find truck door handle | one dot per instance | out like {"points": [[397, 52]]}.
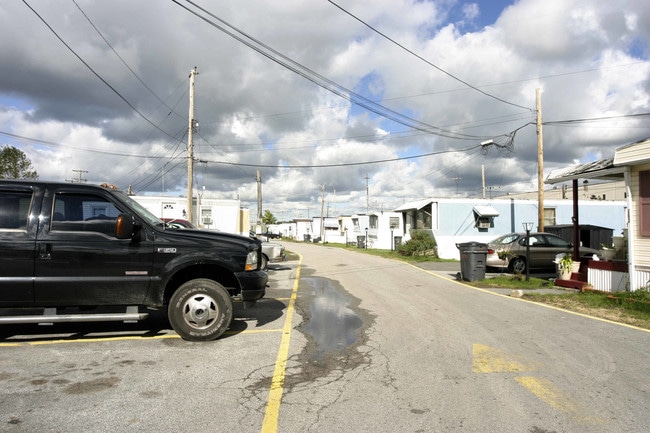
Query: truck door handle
{"points": [[45, 251]]}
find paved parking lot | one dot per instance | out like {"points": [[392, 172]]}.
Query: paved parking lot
{"points": [[142, 376]]}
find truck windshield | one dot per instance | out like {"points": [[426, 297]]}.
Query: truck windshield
{"points": [[142, 211]]}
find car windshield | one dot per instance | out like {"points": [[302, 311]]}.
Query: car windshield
{"points": [[505, 239]]}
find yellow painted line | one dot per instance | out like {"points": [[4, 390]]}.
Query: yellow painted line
{"points": [[125, 338], [253, 331], [490, 360], [550, 394], [552, 307], [86, 340], [546, 391], [272, 412]]}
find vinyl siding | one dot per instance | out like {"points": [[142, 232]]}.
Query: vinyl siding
{"points": [[635, 153], [642, 243]]}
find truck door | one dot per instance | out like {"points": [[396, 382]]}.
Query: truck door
{"points": [[79, 261], [17, 243]]}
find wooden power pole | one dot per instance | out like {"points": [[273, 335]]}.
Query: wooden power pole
{"points": [[540, 163], [322, 210], [258, 179], [190, 149]]}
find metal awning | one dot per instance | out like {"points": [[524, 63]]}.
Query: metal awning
{"points": [[602, 169], [486, 211], [414, 205]]}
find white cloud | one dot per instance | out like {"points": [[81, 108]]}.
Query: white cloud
{"points": [[590, 59]]}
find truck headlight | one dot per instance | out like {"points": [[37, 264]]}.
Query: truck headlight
{"points": [[251, 260]]}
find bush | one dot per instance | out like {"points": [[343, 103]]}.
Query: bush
{"points": [[420, 244]]}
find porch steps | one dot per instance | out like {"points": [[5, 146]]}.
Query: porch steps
{"points": [[574, 283], [578, 279]]}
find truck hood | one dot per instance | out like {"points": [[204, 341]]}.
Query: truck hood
{"points": [[208, 236]]}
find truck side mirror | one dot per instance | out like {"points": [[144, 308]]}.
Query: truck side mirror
{"points": [[124, 226]]}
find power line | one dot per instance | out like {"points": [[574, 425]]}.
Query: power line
{"points": [[426, 61], [346, 164], [124, 61], [320, 80], [595, 119], [93, 71]]}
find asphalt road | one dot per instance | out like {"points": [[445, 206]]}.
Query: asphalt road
{"points": [[435, 355], [344, 342]]}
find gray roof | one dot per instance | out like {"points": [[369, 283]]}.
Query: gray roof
{"points": [[602, 169]]}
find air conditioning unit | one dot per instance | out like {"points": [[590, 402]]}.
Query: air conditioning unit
{"points": [[484, 225]]}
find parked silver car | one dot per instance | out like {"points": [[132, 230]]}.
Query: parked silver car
{"points": [[271, 251], [509, 251]]}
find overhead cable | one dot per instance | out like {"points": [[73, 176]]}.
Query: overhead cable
{"points": [[428, 62], [318, 79], [595, 119], [125, 63], [346, 164], [113, 89]]}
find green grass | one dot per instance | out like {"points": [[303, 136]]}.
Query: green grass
{"points": [[632, 308], [508, 281], [617, 307], [389, 254]]}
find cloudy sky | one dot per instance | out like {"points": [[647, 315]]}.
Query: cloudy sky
{"points": [[377, 102]]}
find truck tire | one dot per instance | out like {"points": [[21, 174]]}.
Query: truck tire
{"points": [[265, 262], [200, 310]]}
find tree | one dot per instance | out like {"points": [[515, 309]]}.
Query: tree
{"points": [[14, 164], [268, 218]]}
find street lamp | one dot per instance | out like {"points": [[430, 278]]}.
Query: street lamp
{"points": [[528, 227]]}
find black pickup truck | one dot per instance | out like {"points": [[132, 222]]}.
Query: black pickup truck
{"points": [[72, 251]]}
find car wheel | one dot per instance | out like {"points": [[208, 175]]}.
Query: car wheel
{"points": [[200, 310], [517, 265], [265, 262]]}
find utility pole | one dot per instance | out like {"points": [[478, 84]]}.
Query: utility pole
{"points": [[322, 211], [367, 196], [259, 198], [540, 162], [80, 179], [483, 179], [190, 148], [457, 179]]}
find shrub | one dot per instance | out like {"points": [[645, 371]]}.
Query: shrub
{"points": [[420, 244]]}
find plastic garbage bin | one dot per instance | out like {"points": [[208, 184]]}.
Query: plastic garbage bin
{"points": [[472, 260], [361, 241]]}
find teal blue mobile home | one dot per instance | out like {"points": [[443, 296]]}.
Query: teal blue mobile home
{"points": [[454, 221]]}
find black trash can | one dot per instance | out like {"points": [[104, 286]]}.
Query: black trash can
{"points": [[307, 238], [361, 241], [472, 260]]}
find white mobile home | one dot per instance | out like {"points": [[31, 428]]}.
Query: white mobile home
{"points": [[631, 164], [453, 221], [220, 214]]}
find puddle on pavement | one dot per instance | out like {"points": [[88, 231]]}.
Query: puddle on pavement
{"points": [[332, 322]]}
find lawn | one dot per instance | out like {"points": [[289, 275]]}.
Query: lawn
{"points": [[632, 308]]}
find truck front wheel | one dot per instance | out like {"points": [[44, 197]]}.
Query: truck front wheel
{"points": [[200, 310]]}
